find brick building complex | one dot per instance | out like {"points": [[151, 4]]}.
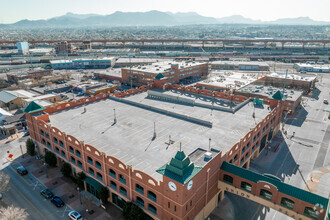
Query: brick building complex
{"points": [[174, 72], [165, 159]]}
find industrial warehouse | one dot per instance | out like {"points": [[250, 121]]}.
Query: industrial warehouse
{"points": [[171, 149]]}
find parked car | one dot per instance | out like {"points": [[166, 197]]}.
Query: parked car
{"points": [[26, 134], [325, 101], [46, 193], [57, 201], [22, 170], [74, 215]]}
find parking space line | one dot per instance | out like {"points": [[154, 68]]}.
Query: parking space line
{"points": [[16, 189]]}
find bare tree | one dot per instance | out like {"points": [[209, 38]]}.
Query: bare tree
{"points": [[13, 213], [4, 182]]}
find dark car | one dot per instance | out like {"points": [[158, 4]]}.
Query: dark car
{"points": [[26, 134], [46, 193], [57, 201], [21, 170]]}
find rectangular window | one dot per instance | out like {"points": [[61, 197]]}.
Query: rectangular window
{"points": [[47, 135], [61, 144], [91, 171], [71, 150], [242, 161], [42, 132], [57, 151], [73, 160], [247, 146], [63, 154], [235, 158], [78, 154], [243, 150]]}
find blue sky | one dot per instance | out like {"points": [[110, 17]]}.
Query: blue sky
{"points": [[15, 10]]}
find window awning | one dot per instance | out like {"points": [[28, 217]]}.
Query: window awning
{"points": [[93, 183]]}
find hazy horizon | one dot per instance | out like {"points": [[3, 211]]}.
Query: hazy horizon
{"points": [[15, 10]]}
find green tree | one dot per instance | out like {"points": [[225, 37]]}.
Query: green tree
{"points": [[133, 212], [66, 169], [30, 148], [50, 159], [104, 194], [80, 180]]}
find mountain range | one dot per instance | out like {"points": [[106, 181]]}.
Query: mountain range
{"points": [[152, 18]]}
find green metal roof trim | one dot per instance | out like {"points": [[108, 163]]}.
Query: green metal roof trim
{"points": [[180, 168], [159, 76], [295, 192], [94, 183], [33, 107], [278, 96]]}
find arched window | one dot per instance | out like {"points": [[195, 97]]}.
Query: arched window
{"points": [[61, 144], [73, 160], [98, 165], [99, 176], [310, 212], [113, 185], [228, 179], [112, 173], [90, 160], [123, 191], [152, 196], [139, 189], [42, 133], [71, 150], [288, 203], [246, 186], [91, 171], [266, 194], [55, 140], [122, 179], [140, 201], [78, 153], [152, 209]]}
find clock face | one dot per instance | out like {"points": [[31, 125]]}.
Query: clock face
{"points": [[172, 186], [190, 184]]}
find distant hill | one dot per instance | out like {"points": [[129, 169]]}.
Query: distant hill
{"points": [[151, 18]]}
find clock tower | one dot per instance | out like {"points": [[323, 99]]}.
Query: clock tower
{"points": [[178, 186]]}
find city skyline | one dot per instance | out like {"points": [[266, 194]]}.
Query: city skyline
{"points": [[14, 11]]}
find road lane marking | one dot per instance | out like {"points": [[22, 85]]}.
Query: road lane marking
{"points": [[16, 189], [29, 184]]}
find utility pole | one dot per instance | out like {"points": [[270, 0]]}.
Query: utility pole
{"points": [[130, 70], [154, 130], [21, 150], [286, 74], [115, 118]]}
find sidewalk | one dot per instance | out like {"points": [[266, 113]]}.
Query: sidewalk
{"points": [[52, 178]]}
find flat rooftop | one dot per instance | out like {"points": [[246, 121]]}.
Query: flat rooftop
{"points": [[130, 139], [246, 63], [269, 91], [300, 77], [230, 79], [165, 66]]}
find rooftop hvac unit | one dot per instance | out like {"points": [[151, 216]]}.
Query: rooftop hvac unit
{"points": [[208, 156]]}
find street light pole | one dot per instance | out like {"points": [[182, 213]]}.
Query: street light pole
{"points": [[21, 150], [79, 194]]}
